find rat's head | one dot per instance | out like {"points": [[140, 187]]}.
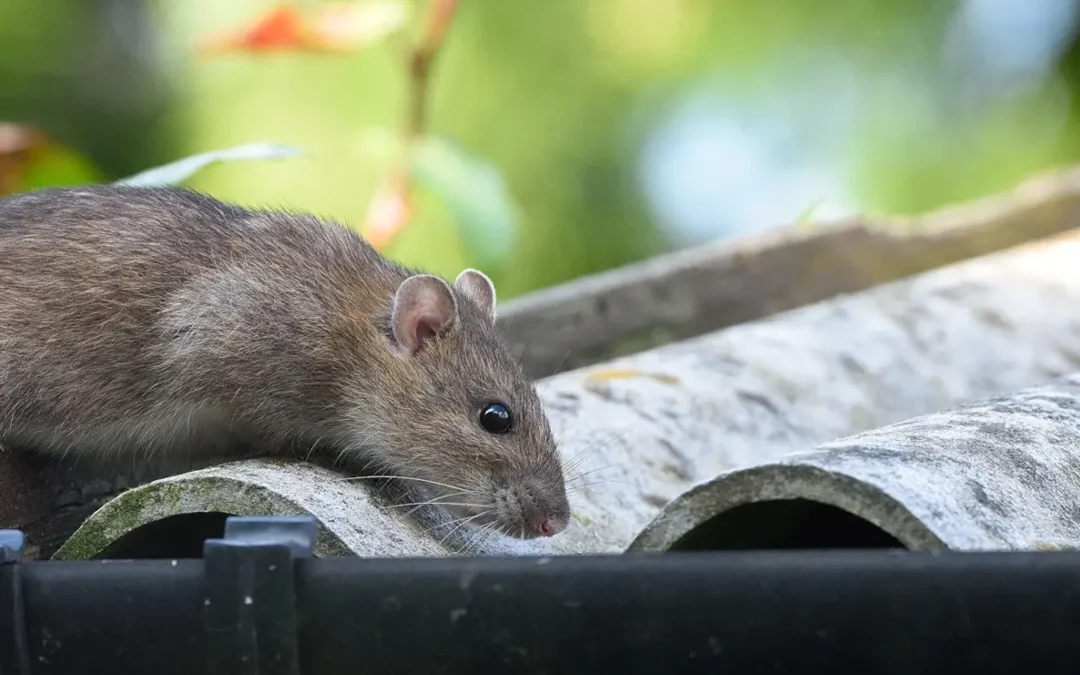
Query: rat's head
{"points": [[460, 416]]}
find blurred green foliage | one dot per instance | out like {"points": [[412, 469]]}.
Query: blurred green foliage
{"points": [[563, 98]]}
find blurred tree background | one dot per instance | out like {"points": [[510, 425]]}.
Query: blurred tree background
{"points": [[621, 128]]}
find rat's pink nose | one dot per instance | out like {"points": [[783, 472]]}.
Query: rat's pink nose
{"points": [[548, 527]]}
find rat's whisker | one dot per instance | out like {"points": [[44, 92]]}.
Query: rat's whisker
{"points": [[356, 448], [461, 522], [578, 482], [472, 542], [590, 451], [583, 474], [525, 349], [432, 502], [436, 502], [577, 487], [454, 521], [484, 534], [448, 495], [418, 480], [431, 530], [311, 450], [562, 361]]}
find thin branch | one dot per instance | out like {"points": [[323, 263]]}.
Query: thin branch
{"points": [[392, 206], [437, 23]]}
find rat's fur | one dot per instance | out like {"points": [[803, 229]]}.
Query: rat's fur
{"points": [[162, 320]]}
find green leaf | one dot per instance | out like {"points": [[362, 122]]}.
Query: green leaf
{"points": [[474, 193], [177, 172]]}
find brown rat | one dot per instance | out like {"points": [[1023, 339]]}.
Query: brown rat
{"points": [[161, 320]]}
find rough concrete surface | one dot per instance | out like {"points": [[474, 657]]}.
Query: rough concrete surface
{"points": [[997, 474]]}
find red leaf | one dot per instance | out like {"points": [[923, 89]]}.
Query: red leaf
{"points": [[280, 28], [338, 27]]}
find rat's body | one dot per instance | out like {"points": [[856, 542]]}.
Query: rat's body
{"points": [[161, 320]]}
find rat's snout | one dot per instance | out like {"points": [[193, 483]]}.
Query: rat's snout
{"points": [[533, 509]]}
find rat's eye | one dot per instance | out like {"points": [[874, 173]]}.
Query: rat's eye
{"points": [[495, 417]]}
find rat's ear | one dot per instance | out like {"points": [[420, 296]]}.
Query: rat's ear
{"points": [[424, 307], [478, 287]]}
